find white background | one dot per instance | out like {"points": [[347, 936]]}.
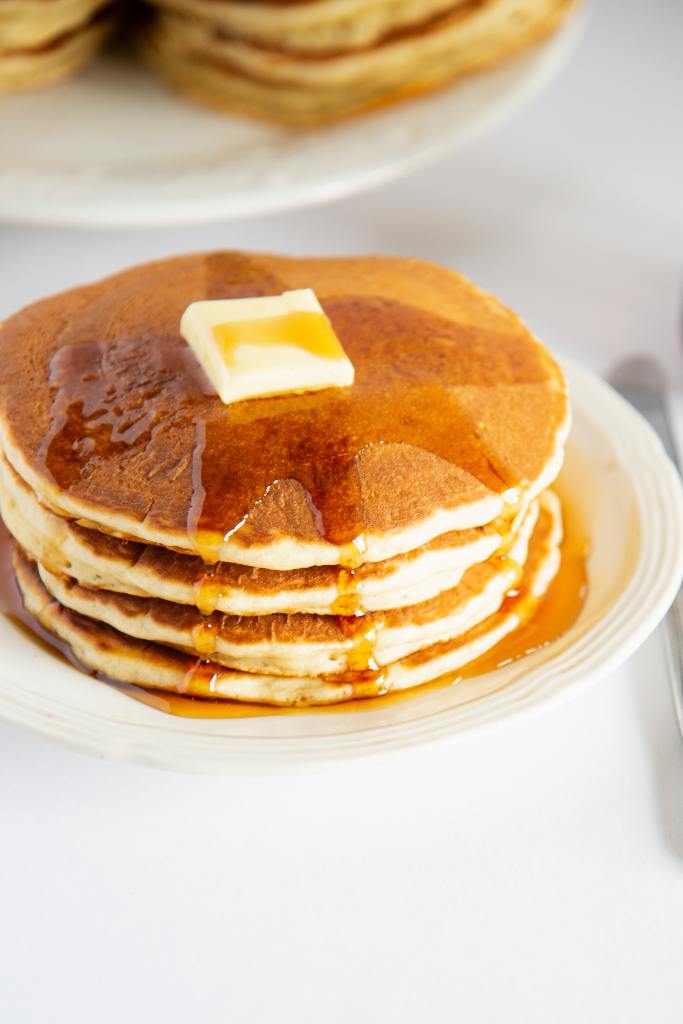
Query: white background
{"points": [[531, 875]]}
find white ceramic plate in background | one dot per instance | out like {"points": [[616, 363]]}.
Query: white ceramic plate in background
{"points": [[114, 147], [631, 502]]}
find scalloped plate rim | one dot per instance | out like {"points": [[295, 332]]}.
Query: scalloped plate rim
{"points": [[552, 676]]}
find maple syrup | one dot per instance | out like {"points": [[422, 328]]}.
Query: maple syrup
{"points": [[208, 591], [133, 426], [547, 619], [204, 638], [550, 617], [304, 330], [123, 414], [349, 597], [315, 440], [349, 586], [363, 635]]}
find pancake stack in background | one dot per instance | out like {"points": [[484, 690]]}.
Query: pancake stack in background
{"points": [[297, 62], [43, 41], [312, 61], [292, 550]]}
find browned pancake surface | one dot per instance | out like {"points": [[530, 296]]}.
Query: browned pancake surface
{"points": [[190, 570], [453, 399], [294, 628]]}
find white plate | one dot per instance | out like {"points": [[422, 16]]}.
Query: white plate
{"points": [[632, 506], [114, 147]]}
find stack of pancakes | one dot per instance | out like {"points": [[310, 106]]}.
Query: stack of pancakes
{"points": [[292, 550], [309, 61], [42, 41]]}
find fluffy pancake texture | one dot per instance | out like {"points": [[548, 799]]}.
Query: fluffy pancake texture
{"points": [[130, 660], [98, 560], [318, 644], [453, 397], [43, 42], [306, 63], [314, 26], [294, 550]]}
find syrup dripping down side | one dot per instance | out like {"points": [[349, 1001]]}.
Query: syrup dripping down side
{"points": [[123, 414]]}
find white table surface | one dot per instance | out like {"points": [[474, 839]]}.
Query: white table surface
{"points": [[534, 874]]}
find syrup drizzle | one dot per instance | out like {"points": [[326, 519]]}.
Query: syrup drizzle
{"points": [[208, 591], [204, 638], [348, 606], [123, 413], [546, 621], [303, 330], [349, 585], [200, 678]]}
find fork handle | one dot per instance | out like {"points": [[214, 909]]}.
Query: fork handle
{"points": [[673, 634]]}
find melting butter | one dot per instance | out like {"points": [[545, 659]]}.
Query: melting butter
{"points": [[274, 344]]}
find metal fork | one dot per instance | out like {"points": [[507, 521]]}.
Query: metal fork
{"points": [[641, 382]]}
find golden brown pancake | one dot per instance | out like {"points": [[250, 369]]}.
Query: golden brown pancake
{"points": [[129, 660], [105, 413], [30, 24], [314, 26], [315, 644], [268, 78], [41, 43], [101, 561], [297, 549]]}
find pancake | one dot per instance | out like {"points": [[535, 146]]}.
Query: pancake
{"points": [[36, 52], [238, 75], [297, 549], [100, 561], [106, 416], [128, 660], [314, 26], [315, 644], [29, 24]]}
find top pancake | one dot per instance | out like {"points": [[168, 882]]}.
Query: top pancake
{"points": [[455, 410]]}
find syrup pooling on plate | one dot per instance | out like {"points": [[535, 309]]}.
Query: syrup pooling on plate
{"points": [[547, 619], [550, 617], [456, 415], [544, 621], [148, 403]]}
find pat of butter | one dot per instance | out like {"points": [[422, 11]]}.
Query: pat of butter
{"points": [[271, 345]]}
